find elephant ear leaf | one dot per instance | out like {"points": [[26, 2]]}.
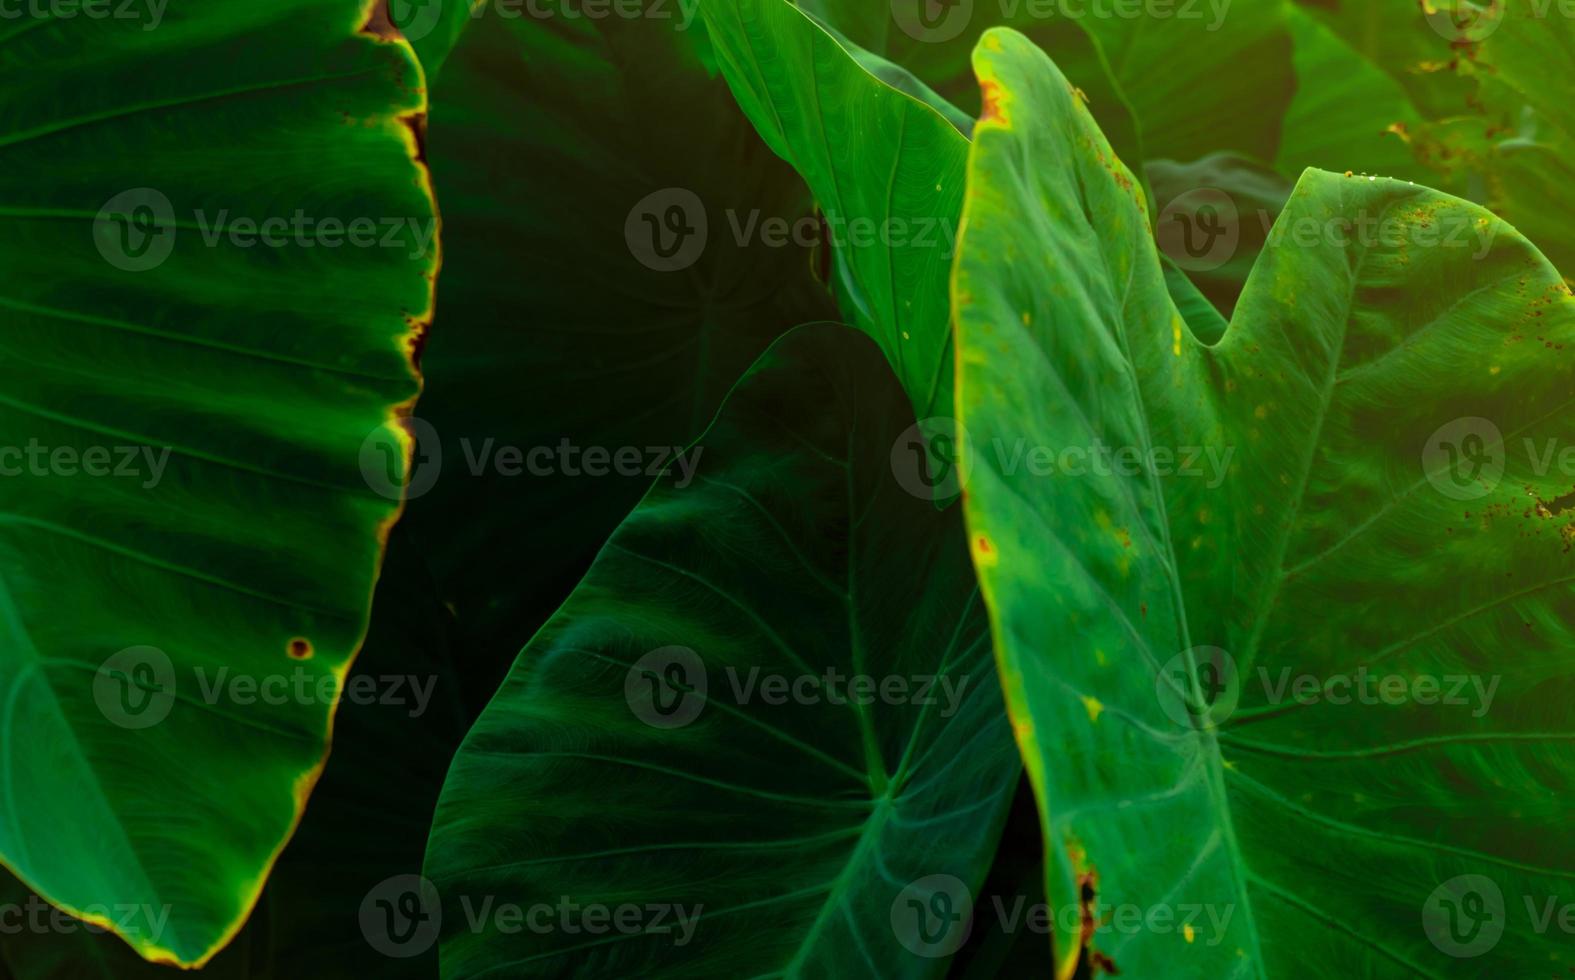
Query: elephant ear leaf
{"points": [[885, 168], [1319, 592], [199, 404], [769, 710]]}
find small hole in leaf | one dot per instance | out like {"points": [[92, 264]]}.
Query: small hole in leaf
{"points": [[300, 648]]}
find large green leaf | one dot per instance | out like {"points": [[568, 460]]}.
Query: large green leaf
{"points": [[361, 839], [684, 732], [218, 253], [1528, 70], [1479, 93], [1201, 77], [1381, 504], [1348, 113], [939, 54], [556, 144], [885, 168], [1416, 44]]}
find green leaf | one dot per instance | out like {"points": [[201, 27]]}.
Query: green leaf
{"points": [[1481, 106], [897, 77], [1528, 69], [1348, 113], [1202, 317], [1422, 51], [556, 145], [938, 53], [244, 378], [645, 752], [885, 168], [1203, 77], [1146, 617], [367, 825]]}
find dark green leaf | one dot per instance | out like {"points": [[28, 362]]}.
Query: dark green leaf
{"points": [[684, 732], [192, 371]]}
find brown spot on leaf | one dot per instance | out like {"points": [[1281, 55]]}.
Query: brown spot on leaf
{"points": [[990, 92], [380, 24]]}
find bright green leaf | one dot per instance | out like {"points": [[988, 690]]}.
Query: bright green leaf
{"points": [[885, 168], [1316, 686], [359, 840], [198, 404]]}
